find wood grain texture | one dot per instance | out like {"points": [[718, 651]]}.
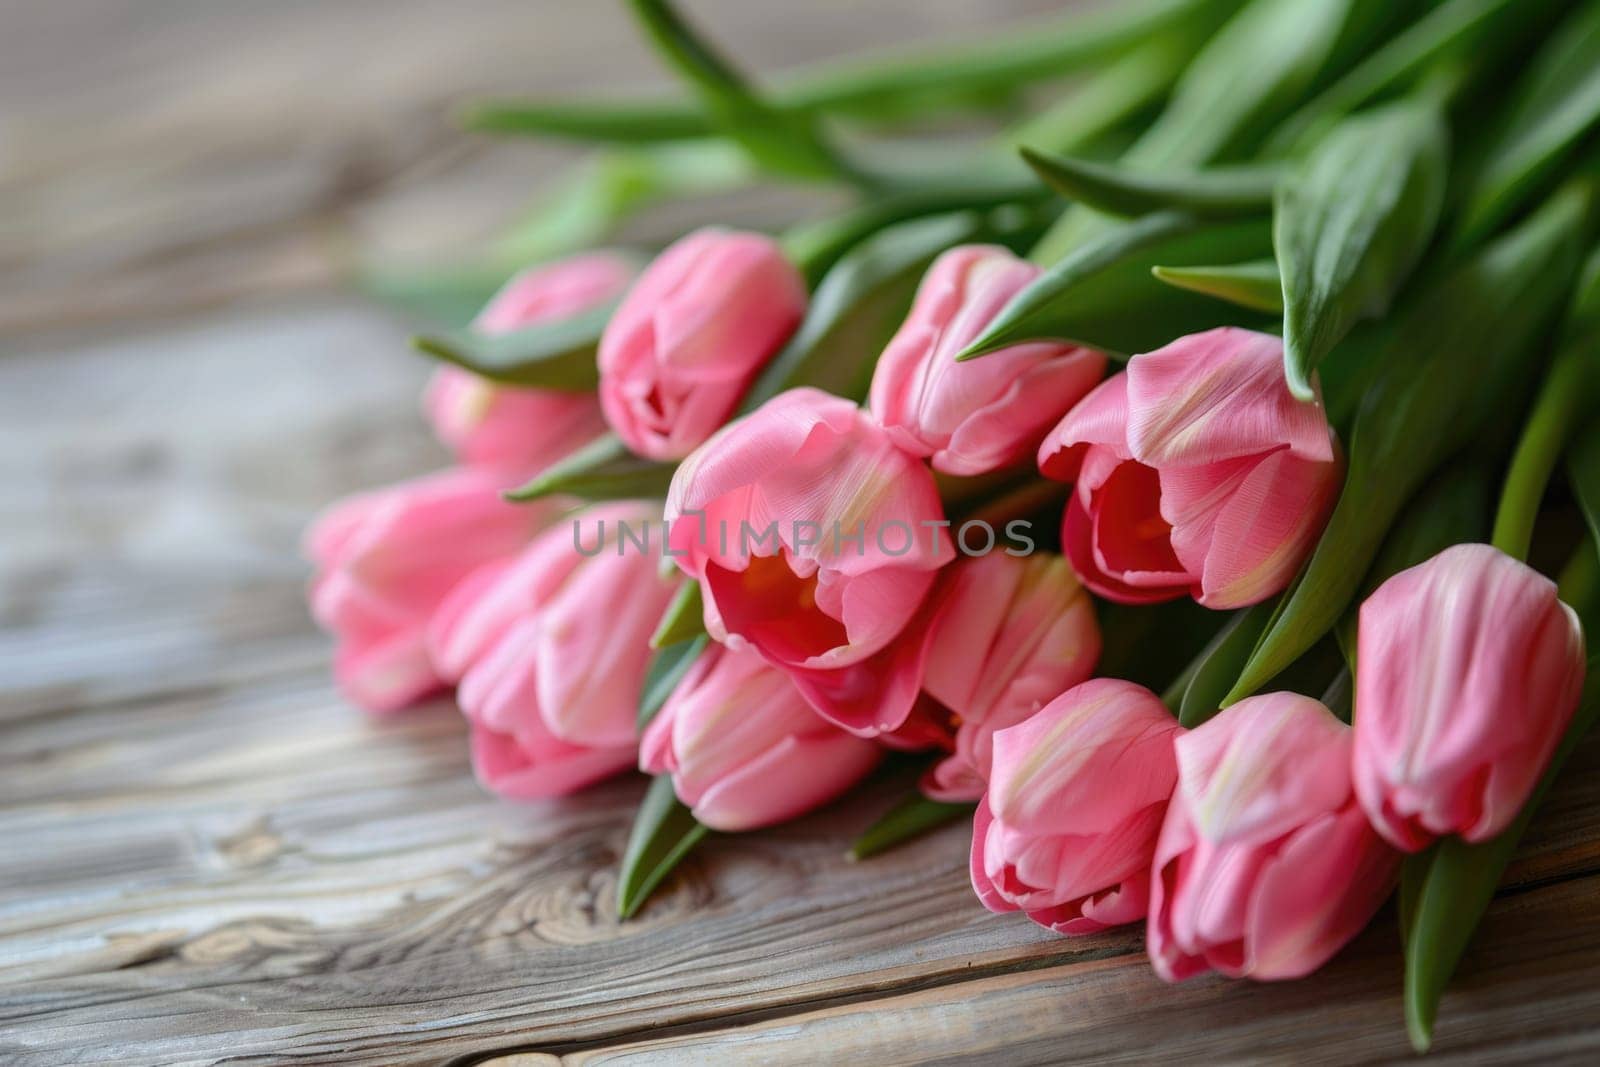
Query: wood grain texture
{"points": [[1525, 996], [206, 857]]}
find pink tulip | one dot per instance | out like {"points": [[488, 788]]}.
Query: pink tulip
{"points": [[690, 336], [975, 417], [552, 651], [387, 559], [1266, 866], [744, 748], [1068, 827], [525, 430], [1010, 634], [815, 541], [1197, 472], [1470, 670]]}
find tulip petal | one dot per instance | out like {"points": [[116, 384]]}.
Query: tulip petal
{"points": [[1218, 395], [1101, 418]]}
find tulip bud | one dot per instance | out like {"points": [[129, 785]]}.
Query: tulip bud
{"points": [[1010, 634], [387, 559], [691, 334], [975, 417], [553, 649], [814, 540], [745, 749], [1470, 670], [1076, 795], [525, 430], [1197, 472], [1266, 866]]}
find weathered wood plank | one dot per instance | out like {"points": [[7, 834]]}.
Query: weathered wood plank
{"points": [[1525, 994], [208, 855]]}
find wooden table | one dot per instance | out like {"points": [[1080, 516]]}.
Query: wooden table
{"points": [[206, 857]]}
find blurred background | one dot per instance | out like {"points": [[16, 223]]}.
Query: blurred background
{"points": [[197, 199], [159, 156]]}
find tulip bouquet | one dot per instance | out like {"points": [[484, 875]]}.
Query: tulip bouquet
{"points": [[1173, 475]]}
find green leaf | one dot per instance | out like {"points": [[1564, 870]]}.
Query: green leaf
{"points": [[1351, 222], [1579, 582], [446, 295], [1103, 295], [1248, 75], [1254, 285], [785, 142], [1455, 28], [858, 306], [902, 82], [1091, 109], [1031, 51], [664, 831], [593, 198], [1557, 104], [1224, 192], [552, 355], [912, 817], [684, 618], [816, 247], [619, 122], [603, 469], [1459, 883], [1239, 83], [1451, 510], [1567, 395], [1219, 664], [1583, 471], [1455, 357], [667, 668]]}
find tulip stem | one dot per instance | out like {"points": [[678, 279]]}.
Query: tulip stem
{"points": [[1555, 414]]}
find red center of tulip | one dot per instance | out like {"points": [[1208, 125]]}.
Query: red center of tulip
{"points": [[1132, 535], [775, 609]]}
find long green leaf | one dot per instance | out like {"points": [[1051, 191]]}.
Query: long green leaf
{"points": [[588, 203], [882, 85], [1097, 106], [1254, 285], [1453, 509], [1567, 395], [611, 122], [603, 469], [1583, 472], [859, 304], [667, 668], [664, 831], [1250, 74], [553, 355], [912, 817], [1351, 222], [1220, 663], [1456, 356], [684, 618], [1240, 82], [1103, 295], [785, 142], [1224, 192], [1452, 29], [816, 247], [1448, 900], [1558, 104]]}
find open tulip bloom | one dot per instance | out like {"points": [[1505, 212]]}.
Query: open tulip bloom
{"points": [[751, 516]]}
